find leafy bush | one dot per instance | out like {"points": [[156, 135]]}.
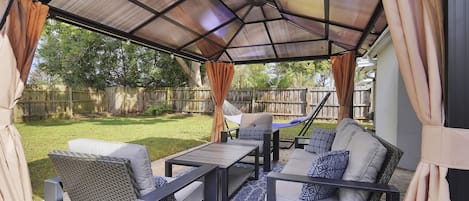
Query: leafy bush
{"points": [[156, 110]]}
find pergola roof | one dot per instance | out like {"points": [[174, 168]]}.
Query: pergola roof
{"points": [[240, 31]]}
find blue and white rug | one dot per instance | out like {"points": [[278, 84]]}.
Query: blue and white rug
{"points": [[255, 190]]}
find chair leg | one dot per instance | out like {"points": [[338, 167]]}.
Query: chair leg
{"points": [[266, 153]]}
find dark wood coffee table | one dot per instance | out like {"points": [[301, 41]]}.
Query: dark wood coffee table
{"points": [[224, 156]]}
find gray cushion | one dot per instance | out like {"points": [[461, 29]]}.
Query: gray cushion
{"points": [[137, 154], [253, 133], [344, 134], [256, 120], [366, 157], [329, 165], [321, 141]]}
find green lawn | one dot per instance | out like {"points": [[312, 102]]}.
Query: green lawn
{"points": [[163, 136]]}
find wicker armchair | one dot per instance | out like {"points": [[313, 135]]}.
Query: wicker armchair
{"points": [[93, 177], [256, 129]]}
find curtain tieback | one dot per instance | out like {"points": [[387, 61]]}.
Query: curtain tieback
{"points": [[6, 117], [447, 147]]}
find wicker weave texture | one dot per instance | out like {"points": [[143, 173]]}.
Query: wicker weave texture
{"points": [[89, 177], [393, 155]]}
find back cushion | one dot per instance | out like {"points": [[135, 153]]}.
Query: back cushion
{"points": [[345, 131], [256, 120], [366, 157], [137, 154]]}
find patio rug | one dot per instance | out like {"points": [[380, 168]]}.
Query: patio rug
{"points": [[252, 190], [255, 189]]}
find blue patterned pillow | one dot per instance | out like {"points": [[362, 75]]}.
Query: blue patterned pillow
{"points": [[160, 182], [329, 165], [320, 141]]}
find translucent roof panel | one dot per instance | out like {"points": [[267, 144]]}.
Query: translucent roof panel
{"points": [[235, 4], [200, 15], [337, 49], [113, 13], [302, 49], [380, 24], [255, 15], [159, 5], [314, 27], [239, 31], [271, 12], [345, 36], [224, 34], [252, 53], [251, 34], [204, 47], [310, 8], [172, 35], [355, 13], [224, 57], [283, 31]]}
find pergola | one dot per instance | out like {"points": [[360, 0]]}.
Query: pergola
{"points": [[249, 31], [239, 31]]}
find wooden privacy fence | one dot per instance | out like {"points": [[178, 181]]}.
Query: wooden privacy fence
{"points": [[58, 102], [283, 103]]}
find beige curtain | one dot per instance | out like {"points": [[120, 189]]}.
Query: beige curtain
{"points": [[18, 40], [417, 32], [343, 69], [220, 76]]}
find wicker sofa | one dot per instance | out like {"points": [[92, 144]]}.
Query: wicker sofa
{"points": [[370, 156], [102, 170]]}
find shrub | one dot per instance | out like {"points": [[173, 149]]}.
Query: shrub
{"points": [[155, 110]]}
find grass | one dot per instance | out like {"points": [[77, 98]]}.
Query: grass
{"points": [[163, 136]]}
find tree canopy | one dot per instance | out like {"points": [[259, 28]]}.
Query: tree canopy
{"points": [[80, 57]]}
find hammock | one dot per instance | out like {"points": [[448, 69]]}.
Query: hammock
{"points": [[233, 114]]}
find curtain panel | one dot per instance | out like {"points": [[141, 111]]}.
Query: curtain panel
{"points": [[417, 31], [18, 40], [220, 76], [343, 69]]}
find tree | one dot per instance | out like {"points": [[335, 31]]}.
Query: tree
{"points": [[253, 75], [84, 58]]}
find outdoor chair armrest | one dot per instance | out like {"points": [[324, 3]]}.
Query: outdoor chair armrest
{"points": [[225, 133], [392, 193], [299, 144], [53, 189], [209, 172]]}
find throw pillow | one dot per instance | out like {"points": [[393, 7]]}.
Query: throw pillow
{"points": [[253, 133], [321, 141], [329, 165], [160, 182]]}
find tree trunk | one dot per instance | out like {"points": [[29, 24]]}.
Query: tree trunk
{"points": [[192, 72]]}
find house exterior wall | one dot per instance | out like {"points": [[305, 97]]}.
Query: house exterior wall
{"points": [[395, 120]]}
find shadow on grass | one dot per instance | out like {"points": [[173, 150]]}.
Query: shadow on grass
{"points": [[101, 121], [181, 116], [157, 147], [127, 121]]}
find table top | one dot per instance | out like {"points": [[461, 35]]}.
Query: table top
{"points": [[221, 154]]}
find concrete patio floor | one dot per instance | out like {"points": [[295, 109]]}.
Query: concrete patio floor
{"points": [[401, 177]]}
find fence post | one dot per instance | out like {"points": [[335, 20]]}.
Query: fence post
{"points": [[253, 100], [307, 101], [168, 97], [70, 102]]}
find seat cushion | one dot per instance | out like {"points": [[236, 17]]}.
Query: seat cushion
{"points": [[302, 154], [137, 154], [320, 141], [192, 192], [366, 157], [329, 165]]}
